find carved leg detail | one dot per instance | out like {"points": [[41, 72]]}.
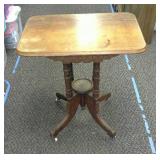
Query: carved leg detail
{"points": [[71, 71], [96, 80], [72, 108], [68, 80], [91, 104]]}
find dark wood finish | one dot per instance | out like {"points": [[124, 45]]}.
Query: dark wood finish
{"points": [[71, 110], [71, 70], [96, 80], [68, 80], [91, 104], [83, 100]]}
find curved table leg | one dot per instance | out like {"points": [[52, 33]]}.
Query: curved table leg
{"points": [[103, 97], [91, 104], [71, 110]]}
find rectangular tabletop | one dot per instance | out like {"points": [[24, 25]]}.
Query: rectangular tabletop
{"points": [[81, 34]]}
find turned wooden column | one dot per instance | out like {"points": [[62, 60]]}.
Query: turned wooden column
{"points": [[71, 70], [96, 80], [68, 76]]}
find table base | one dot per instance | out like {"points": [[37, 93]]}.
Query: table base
{"points": [[91, 102]]}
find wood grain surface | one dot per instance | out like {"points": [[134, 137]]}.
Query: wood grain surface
{"points": [[64, 35]]}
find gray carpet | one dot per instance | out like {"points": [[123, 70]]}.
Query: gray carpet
{"points": [[31, 112]]}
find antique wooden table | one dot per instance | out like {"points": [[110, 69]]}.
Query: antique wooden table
{"points": [[75, 38]]}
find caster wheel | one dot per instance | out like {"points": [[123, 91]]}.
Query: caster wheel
{"points": [[114, 137], [52, 136], [55, 139], [57, 99]]}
